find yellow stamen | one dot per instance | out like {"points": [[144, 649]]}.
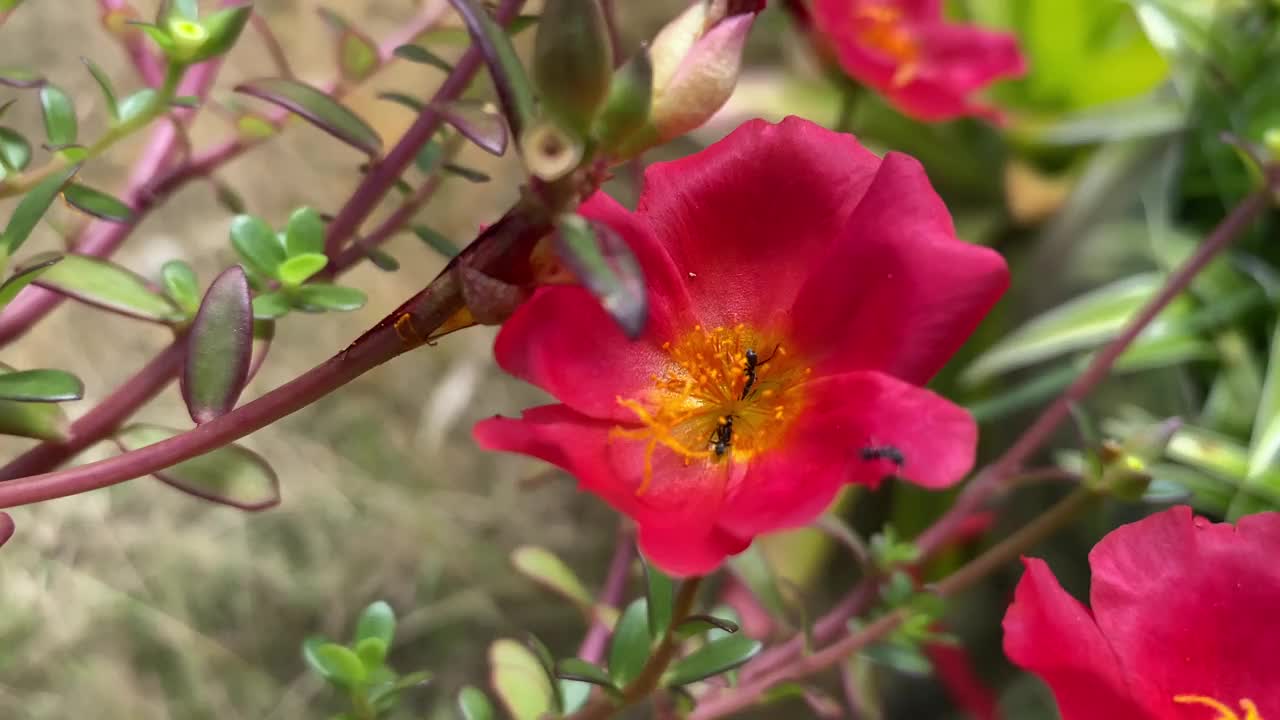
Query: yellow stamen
{"points": [[1224, 711], [881, 27]]}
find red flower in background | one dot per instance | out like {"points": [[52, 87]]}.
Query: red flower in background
{"points": [[904, 49], [1183, 623], [801, 289]]}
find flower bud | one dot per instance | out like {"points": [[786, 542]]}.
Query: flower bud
{"points": [[549, 151], [188, 37], [188, 41], [627, 108], [573, 61]]}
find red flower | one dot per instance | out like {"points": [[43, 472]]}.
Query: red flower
{"points": [[926, 67], [800, 290], [1183, 625]]}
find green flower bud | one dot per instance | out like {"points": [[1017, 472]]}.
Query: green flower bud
{"points": [[573, 61]]}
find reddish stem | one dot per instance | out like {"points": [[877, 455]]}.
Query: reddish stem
{"points": [[615, 585], [396, 221], [149, 66]]}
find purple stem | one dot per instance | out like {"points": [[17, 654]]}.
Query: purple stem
{"points": [[359, 250], [149, 66], [615, 585]]}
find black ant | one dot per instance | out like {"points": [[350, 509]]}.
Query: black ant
{"points": [[754, 362], [723, 436], [884, 452]]}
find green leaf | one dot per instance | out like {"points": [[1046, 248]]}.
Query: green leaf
{"points": [[25, 274], [96, 203], [305, 232], [15, 150], [40, 386], [231, 475], [511, 83], [31, 208], [39, 420], [335, 663], [712, 659], [318, 108], [907, 659], [104, 84], [377, 621], [219, 348], [603, 262], [581, 670], [574, 696], [422, 56], [300, 268], [699, 624], [520, 681], [629, 647], [224, 28], [545, 568], [20, 78], [572, 61], [257, 245], [1264, 445], [136, 105], [466, 173], [60, 124], [429, 157], [1159, 113], [660, 595], [436, 241], [182, 285], [476, 124], [321, 297], [357, 56], [1088, 320], [410, 103], [272, 305], [372, 652], [98, 282], [474, 704]]}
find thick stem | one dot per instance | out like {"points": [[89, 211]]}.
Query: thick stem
{"points": [[615, 585], [149, 66]]}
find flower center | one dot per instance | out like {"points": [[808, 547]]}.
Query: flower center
{"points": [[881, 28], [1224, 712], [725, 395]]}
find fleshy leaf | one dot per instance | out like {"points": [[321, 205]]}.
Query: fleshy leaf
{"points": [[377, 621], [519, 681], [104, 84], [603, 262], [60, 123], [325, 297], [25, 274], [712, 659], [514, 90], [481, 127], [257, 245], [40, 420], [436, 241], [299, 268], [133, 106], [372, 652], [422, 56], [272, 305], [108, 286], [466, 173], [96, 203], [31, 208], [40, 386], [15, 150], [337, 664], [474, 704], [357, 56], [219, 348], [579, 669], [231, 475], [317, 108], [660, 595], [429, 157], [545, 568], [182, 285], [305, 232], [224, 28], [6, 528], [698, 624], [410, 103], [629, 647], [20, 78]]}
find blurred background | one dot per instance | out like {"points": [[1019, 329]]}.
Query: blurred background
{"points": [[141, 602]]}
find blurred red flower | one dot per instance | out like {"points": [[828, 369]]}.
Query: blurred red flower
{"points": [[904, 49], [1183, 623], [800, 289]]}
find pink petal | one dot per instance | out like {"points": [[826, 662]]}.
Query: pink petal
{"points": [[898, 292]]}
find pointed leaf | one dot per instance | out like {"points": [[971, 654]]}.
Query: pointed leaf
{"points": [[186, 102], [660, 593], [299, 268], [357, 56], [698, 624], [108, 286], [372, 652], [317, 108], [411, 103], [629, 647], [603, 262], [519, 680], [137, 104], [305, 232], [20, 78], [422, 56], [6, 528], [15, 150], [712, 659], [219, 348], [60, 124], [337, 664], [429, 157], [574, 696], [545, 568], [257, 245], [224, 28], [515, 92], [31, 208], [272, 305], [324, 297], [96, 203], [25, 274], [182, 285], [231, 475], [377, 621], [40, 386], [481, 127], [475, 705], [42, 421], [579, 669], [436, 241], [104, 84], [466, 173]]}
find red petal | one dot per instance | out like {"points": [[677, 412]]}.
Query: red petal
{"points": [[1049, 633], [1192, 604], [746, 219], [959, 60], [791, 485], [683, 552], [899, 292]]}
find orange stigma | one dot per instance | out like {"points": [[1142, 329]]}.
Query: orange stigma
{"points": [[881, 27], [1224, 711], [725, 395]]}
